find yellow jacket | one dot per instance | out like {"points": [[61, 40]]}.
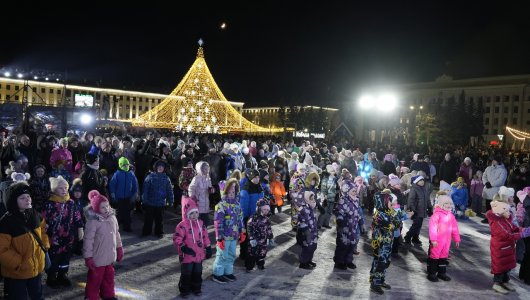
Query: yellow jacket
{"points": [[20, 254]]}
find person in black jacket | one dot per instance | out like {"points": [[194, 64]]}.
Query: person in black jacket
{"points": [[448, 169], [91, 177]]}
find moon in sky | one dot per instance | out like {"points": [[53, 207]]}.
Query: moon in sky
{"points": [[223, 25]]}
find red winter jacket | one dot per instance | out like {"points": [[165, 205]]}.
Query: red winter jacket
{"points": [[502, 245]]}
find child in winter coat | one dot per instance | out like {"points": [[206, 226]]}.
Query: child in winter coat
{"points": [[278, 193], [251, 192], [193, 246], [476, 193], [200, 189], [296, 185], [442, 226], [157, 193], [64, 226], [328, 188], [40, 187], [102, 247], [460, 197], [307, 232], [347, 214], [502, 244], [229, 229], [260, 236], [123, 190], [385, 221], [401, 215], [76, 194]]}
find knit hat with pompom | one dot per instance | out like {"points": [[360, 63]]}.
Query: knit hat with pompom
{"points": [[96, 199]]}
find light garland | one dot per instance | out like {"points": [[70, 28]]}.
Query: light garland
{"points": [[197, 104], [517, 134]]}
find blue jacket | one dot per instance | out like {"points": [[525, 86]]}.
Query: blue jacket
{"points": [[123, 185], [157, 190], [459, 196], [248, 202]]}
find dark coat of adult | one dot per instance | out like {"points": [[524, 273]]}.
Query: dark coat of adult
{"points": [[92, 180], [388, 168], [422, 166], [349, 164], [419, 201], [78, 154], [448, 171], [30, 152], [519, 180]]}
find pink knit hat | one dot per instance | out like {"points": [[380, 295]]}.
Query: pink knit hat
{"points": [[96, 199]]}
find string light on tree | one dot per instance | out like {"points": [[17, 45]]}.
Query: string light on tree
{"points": [[197, 104]]}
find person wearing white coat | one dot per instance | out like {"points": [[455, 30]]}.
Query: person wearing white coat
{"points": [[200, 189], [493, 178]]}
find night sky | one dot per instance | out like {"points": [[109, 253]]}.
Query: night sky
{"points": [[271, 52]]}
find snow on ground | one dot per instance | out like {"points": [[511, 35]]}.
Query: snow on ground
{"points": [[150, 270]]}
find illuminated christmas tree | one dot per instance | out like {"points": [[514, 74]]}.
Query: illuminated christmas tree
{"points": [[197, 104]]}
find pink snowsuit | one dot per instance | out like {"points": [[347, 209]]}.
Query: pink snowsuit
{"points": [[442, 225], [192, 234]]}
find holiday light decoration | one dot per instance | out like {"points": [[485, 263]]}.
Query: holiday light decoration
{"points": [[517, 134], [197, 104]]}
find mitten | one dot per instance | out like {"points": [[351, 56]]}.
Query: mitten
{"points": [[488, 185], [89, 262], [119, 254], [253, 243], [208, 252], [272, 243], [221, 244], [187, 250], [525, 232], [242, 237]]}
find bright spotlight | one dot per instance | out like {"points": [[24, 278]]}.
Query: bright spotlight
{"points": [[7, 74], [86, 119], [46, 78], [366, 101], [35, 77], [20, 75], [387, 102]]}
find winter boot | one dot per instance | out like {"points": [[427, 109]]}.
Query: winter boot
{"points": [[499, 289], [508, 286], [442, 269], [313, 264], [432, 269], [351, 266], [306, 266], [51, 281], [416, 240], [376, 289], [63, 280], [341, 266]]}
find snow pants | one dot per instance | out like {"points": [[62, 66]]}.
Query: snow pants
{"points": [[100, 282], [224, 259], [190, 278], [380, 264]]}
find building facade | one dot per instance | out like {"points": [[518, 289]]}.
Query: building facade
{"points": [[505, 101], [270, 117], [112, 104]]}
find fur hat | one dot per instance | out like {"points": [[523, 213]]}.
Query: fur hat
{"points": [[345, 173], [13, 192], [77, 186], [262, 174], [96, 199], [393, 180], [310, 177], [443, 199], [20, 176], [417, 179], [245, 150], [228, 183], [506, 192], [330, 169], [264, 164], [55, 182]]}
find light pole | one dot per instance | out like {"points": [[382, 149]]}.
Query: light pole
{"points": [[413, 121], [384, 104]]}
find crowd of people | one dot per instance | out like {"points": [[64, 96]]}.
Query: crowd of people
{"points": [[68, 196]]}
